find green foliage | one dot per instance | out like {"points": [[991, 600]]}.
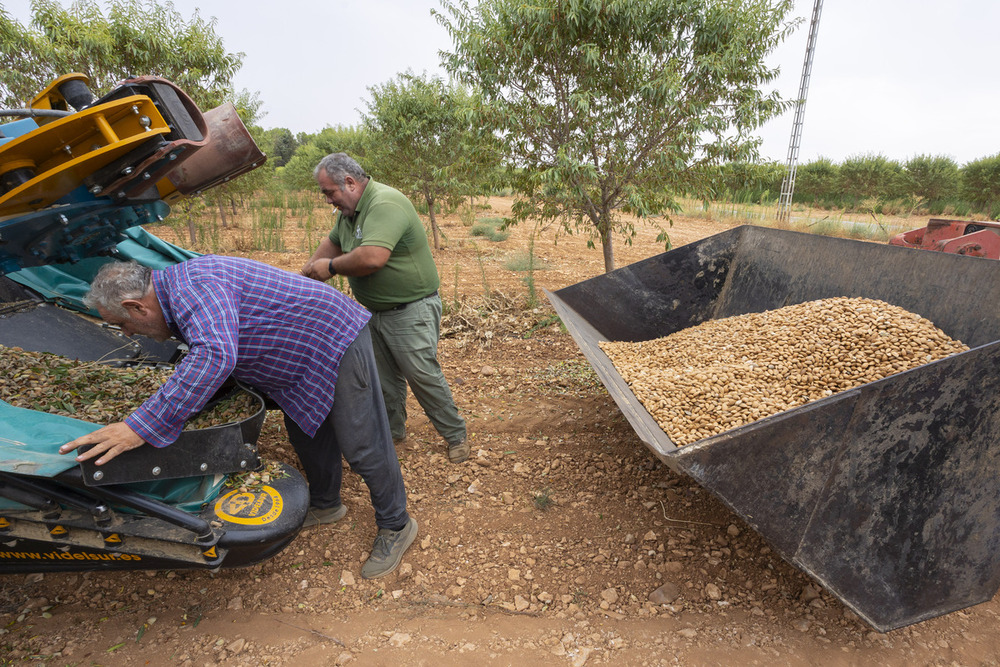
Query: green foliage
{"points": [[816, 180], [135, 37], [880, 186], [981, 183], [481, 262], [22, 74], [543, 499], [747, 182], [453, 305], [488, 230], [268, 230], [932, 177], [872, 176], [423, 140], [611, 107], [467, 214], [526, 261], [279, 144], [297, 174]]}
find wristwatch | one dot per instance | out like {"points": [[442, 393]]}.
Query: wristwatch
{"points": [[333, 271]]}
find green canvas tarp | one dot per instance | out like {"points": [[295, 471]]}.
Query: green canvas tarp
{"points": [[67, 284]]}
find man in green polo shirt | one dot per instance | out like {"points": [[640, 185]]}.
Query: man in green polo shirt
{"points": [[378, 242]]}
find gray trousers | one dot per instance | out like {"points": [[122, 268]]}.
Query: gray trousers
{"points": [[405, 342], [358, 430]]}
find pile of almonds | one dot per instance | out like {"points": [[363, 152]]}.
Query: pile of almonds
{"points": [[725, 373], [95, 392]]}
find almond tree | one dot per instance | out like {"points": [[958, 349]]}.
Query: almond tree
{"points": [[297, 174], [981, 184], [613, 106], [136, 37], [422, 140]]}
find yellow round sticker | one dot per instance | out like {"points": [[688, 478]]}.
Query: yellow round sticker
{"points": [[251, 508]]}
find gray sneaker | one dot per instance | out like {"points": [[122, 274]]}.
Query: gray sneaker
{"points": [[388, 550], [459, 451], [316, 516]]}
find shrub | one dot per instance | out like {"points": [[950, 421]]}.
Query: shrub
{"points": [[488, 231], [747, 182], [981, 183], [817, 181], [525, 261], [932, 177], [867, 176]]}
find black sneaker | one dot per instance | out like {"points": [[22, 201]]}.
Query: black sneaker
{"points": [[388, 550]]}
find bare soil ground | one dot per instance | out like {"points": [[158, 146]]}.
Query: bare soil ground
{"points": [[543, 548]]}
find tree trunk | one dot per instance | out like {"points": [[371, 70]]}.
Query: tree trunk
{"points": [[191, 228], [232, 204], [607, 245], [222, 211], [434, 224]]}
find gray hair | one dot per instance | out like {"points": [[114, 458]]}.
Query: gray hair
{"points": [[338, 166], [116, 282]]}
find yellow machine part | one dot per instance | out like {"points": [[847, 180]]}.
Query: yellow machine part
{"points": [[52, 97], [62, 153]]}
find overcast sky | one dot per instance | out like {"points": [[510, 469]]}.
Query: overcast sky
{"points": [[893, 77]]}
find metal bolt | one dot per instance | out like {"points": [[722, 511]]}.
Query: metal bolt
{"points": [[63, 219], [98, 475], [68, 149], [145, 122], [156, 470], [145, 176], [96, 190], [243, 464], [173, 156], [203, 467], [127, 171], [135, 109]]}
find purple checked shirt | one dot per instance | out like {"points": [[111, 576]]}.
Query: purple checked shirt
{"points": [[280, 332]]}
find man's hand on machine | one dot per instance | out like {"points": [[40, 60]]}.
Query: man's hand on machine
{"points": [[109, 441]]}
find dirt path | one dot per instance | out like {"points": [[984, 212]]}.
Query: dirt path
{"points": [[543, 548]]}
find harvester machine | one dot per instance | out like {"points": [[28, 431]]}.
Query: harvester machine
{"points": [[961, 237], [886, 494], [79, 177]]}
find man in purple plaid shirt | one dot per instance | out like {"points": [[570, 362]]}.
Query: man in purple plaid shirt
{"points": [[299, 341]]}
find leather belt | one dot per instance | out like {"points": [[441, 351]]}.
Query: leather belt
{"points": [[404, 305]]}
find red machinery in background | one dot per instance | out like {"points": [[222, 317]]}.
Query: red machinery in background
{"points": [[961, 237]]}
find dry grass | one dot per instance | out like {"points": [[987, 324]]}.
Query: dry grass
{"points": [[472, 267]]}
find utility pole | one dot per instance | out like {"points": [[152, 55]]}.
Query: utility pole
{"points": [[788, 184]]}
